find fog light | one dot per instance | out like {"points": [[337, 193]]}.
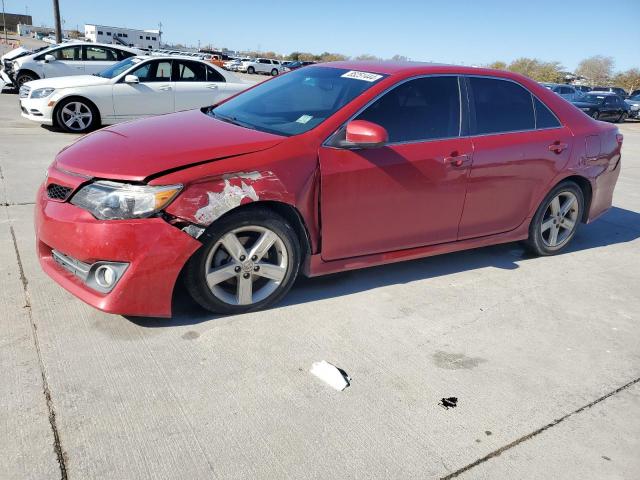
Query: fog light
{"points": [[105, 276]]}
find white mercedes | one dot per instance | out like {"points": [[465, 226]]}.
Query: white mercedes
{"points": [[133, 88]]}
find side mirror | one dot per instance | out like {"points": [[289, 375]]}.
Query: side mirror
{"points": [[49, 58], [131, 79], [364, 134]]}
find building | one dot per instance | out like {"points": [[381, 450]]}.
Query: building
{"points": [[13, 20], [146, 39]]}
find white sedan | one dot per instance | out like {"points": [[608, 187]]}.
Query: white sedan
{"points": [[134, 88]]}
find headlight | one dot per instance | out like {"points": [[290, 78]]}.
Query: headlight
{"points": [[42, 92], [116, 201]]}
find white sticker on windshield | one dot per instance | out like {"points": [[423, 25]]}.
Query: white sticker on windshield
{"points": [[304, 119], [366, 76]]}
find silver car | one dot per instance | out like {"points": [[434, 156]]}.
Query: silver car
{"points": [[634, 106], [568, 92]]}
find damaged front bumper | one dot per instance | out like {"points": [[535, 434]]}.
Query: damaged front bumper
{"points": [[5, 80], [147, 256]]}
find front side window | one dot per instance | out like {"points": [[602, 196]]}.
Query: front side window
{"points": [[421, 109], [500, 106], [295, 103], [158, 71], [68, 53]]}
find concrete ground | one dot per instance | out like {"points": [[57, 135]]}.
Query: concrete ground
{"points": [[542, 354]]}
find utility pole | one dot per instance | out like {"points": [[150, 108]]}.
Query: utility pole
{"points": [[56, 16], [4, 23]]}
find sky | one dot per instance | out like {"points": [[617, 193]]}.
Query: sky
{"points": [[469, 32]]}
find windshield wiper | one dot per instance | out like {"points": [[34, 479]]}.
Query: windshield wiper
{"points": [[232, 120]]}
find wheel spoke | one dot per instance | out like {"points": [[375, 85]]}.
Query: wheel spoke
{"points": [[568, 224], [553, 235], [69, 122], [274, 272], [555, 206], [245, 290], [66, 111], [567, 206], [220, 274], [77, 107], [547, 225], [262, 245], [233, 246]]}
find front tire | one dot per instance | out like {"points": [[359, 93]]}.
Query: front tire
{"points": [[622, 118], [274, 72], [595, 115], [251, 70], [25, 77], [77, 115], [249, 260], [556, 221]]}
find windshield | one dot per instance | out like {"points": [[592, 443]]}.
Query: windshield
{"points": [[591, 98], [635, 97], [114, 70], [296, 102]]}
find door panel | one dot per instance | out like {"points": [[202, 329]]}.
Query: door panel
{"points": [[143, 99], [391, 198], [68, 62], [510, 174], [192, 90]]}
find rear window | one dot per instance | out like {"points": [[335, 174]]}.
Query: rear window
{"points": [[500, 106]]}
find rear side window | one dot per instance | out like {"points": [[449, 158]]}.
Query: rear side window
{"points": [[122, 54], [421, 109], [544, 117], [500, 106], [190, 71], [213, 75]]}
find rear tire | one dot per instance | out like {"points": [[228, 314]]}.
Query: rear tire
{"points": [[622, 118], [556, 221], [251, 278], [595, 115], [274, 72]]}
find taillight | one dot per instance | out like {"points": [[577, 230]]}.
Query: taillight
{"points": [[619, 138]]}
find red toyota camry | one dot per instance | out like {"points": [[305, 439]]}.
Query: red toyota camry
{"points": [[325, 169]]}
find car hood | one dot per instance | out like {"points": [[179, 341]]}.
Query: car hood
{"points": [[69, 82], [15, 53], [140, 149]]}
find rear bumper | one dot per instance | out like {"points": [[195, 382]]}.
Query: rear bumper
{"points": [[154, 251]]}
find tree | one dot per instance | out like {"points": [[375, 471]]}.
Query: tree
{"points": [[597, 70], [367, 57], [537, 69], [498, 65], [629, 80], [330, 57], [399, 58]]}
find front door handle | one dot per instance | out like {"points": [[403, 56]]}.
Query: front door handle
{"points": [[212, 87], [458, 161], [165, 87], [558, 147]]}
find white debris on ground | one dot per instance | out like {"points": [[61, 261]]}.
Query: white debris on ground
{"points": [[331, 375]]}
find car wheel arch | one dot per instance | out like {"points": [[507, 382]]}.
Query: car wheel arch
{"points": [[585, 186], [26, 71]]}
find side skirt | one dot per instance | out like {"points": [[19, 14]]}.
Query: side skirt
{"points": [[316, 266]]}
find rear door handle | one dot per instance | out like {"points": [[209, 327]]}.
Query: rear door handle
{"points": [[212, 86], [558, 147], [458, 161]]}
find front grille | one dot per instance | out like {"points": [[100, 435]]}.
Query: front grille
{"points": [[58, 192], [24, 91]]}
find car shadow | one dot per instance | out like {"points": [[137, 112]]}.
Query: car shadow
{"points": [[616, 226]]}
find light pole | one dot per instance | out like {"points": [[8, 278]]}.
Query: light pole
{"points": [[56, 16], [4, 23]]}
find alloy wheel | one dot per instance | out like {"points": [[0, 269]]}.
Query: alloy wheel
{"points": [[76, 116], [246, 265], [560, 219]]}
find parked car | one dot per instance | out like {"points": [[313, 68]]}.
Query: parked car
{"points": [[325, 169], [238, 64], [262, 65], [582, 88], [135, 87], [604, 106], [81, 58], [298, 64], [568, 92], [634, 106], [634, 93], [617, 90]]}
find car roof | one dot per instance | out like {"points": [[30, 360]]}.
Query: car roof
{"points": [[172, 57]]}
